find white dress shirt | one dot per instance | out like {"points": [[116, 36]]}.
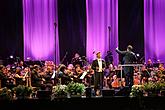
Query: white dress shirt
{"points": [[100, 65]]}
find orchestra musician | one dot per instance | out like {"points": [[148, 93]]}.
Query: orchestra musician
{"points": [[109, 58], [108, 74], [161, 71], [78, 74], [63, 75], [77, 60], [36, 77], [89, 79], [149, 65], [6, 77], [115, 82], [19, 77], [27, 76], [145, 74]]}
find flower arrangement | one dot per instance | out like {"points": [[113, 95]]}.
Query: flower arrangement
{"points": [[6, 94], [59, 91], [152, 86], [74, 88], [22, 91], [137, 90]]}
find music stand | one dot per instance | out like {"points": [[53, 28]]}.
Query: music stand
{"points": [[118, 73], [128, 65]]}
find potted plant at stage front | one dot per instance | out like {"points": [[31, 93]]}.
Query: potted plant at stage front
{"points": [[59, 91], [153, 88], [22, 91], [75, 89], [137, 91], [5, 94]]}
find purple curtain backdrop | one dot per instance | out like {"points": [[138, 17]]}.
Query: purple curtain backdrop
{"points": [[154, 29], [40, 42], [102, 14]]}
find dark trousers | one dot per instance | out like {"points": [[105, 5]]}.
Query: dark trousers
{"points": [[98, 80], [129, 71]]}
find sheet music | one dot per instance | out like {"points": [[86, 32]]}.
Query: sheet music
{"points": [[83, 75]]}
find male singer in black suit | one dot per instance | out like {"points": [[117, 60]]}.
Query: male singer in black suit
{"points": [[98, 65], [129, 57]]}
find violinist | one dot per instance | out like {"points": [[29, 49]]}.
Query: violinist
{"points": [[6, 77], [19, 77], [63, 75], [89, 76], [78, 74], [36, 79], [27, 76]]}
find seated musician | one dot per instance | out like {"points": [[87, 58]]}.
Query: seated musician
{"points": [[109, 58], [108, 74], [77, 60], [89, 78], [149, 65], [19, 77], [136, 79], [115, 82], [27, 76], [63, 75], [48, 78], [161, 71], [144, 74], [70, 70], [36, 79], [6, 78], [48, 75], [21, 64], [161, 68], [78, 74]]}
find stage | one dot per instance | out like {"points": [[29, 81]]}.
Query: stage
{"points": [[115, 102]]}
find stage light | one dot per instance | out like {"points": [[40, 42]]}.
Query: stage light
{"points": [[137, 55], [28, 58], [11, 56]]}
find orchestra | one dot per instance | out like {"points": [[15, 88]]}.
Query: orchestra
{"points": [[50, 74]]}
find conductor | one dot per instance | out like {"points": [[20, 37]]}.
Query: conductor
{"points": [[129, 57]]}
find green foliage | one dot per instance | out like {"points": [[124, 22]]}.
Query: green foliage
{"points": [[5, 93], [59, 90], [137, 90], [75, 88], [153, 86], [22, 90]]}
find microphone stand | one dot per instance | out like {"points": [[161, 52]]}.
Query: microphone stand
{"points": [[109, 28], [55, 25]]}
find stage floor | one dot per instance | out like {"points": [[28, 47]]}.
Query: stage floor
{"points": [[117, 102]]}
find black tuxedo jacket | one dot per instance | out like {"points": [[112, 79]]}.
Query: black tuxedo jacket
{"points": [[95, 64], [129, 56]]}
